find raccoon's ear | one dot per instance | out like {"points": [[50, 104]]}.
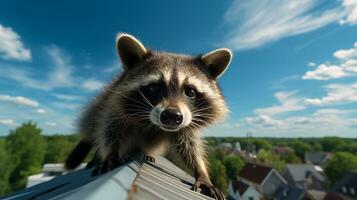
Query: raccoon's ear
{"points": [[217, 61], [131, 51]]}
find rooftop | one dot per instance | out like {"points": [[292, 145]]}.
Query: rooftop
{"points": [[254, 172], [300, 172], [135, 180]]}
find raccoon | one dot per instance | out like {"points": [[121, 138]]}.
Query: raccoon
{"points": [[157, 106]]}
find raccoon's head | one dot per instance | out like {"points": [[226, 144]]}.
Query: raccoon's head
{"points": [[170, 91]]}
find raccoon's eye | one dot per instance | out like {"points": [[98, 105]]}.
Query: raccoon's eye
{"points": [[154, 88], [190, 92]]}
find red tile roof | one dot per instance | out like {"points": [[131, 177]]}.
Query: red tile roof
{"points": [[254, 172]]}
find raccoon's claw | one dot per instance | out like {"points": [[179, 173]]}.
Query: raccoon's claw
{"points": [[105, 166], [149, 158], [208, 189]]}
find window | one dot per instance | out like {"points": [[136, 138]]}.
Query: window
{"points": [[353, 192], [344, 189]]}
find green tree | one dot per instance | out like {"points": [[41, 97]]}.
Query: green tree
{"points": [[300, 147], [290, 157], [27, 149], [332, 144], [262, 144], [4, 168], [58, 148], [268, 158], [233, 165], [218, 175], [341, 163]]}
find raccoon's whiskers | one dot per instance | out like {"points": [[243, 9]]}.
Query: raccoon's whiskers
{"points": [[146, 100], [122, 95]]}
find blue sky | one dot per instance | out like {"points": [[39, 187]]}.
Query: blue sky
{"points": [[293, 73]]}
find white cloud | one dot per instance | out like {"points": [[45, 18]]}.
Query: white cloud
{"points": [[255, 23], [288, 103], [351, 7], [59, 76], [115, 67], [262, 120], [311, 64], [92, 84], [51, 124], [11, 47], [336, 94], [346, 66], [7, 122], [66, 105], [19, 100], [68, 97], [41, 111]]}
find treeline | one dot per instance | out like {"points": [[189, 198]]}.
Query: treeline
{"points": [[24, 151]]}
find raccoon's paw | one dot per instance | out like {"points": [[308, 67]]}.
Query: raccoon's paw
{"points": [[208, 188], [149, 158], [105, 166]]}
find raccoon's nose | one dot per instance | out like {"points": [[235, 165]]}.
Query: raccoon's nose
{"points": [[171, 117]]}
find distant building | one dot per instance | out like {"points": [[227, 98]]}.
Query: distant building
{"points": [[266, 180], [238, 190], [281, 150], [49, 171], [347, 185], [306, 176], [325, 195], [317, 158], [288, 192], [226, 147]]}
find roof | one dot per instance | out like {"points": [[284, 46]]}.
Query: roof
{"points": [[254, 172], [316, 158], [135, 180], [349, 182], [288, 192], [299, 172], [335, 196], [239, 186]]}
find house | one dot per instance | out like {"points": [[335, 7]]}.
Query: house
{"points": [[265, 179], [306, 176], [288, 192], [238, 190], [324, 195], [281, 150], [317, 158], [137, 179], [347, 185], [49, 171]]}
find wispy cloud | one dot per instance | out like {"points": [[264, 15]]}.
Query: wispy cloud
{"points": [[7, 122], [336, 94], [288, 102], [19, 100], [345, 66], [351, 7], [60, 75], [68, 97], [40, 111], [66, 105], [51, 124], [11, 46], [255, 23], [92, 84]]}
